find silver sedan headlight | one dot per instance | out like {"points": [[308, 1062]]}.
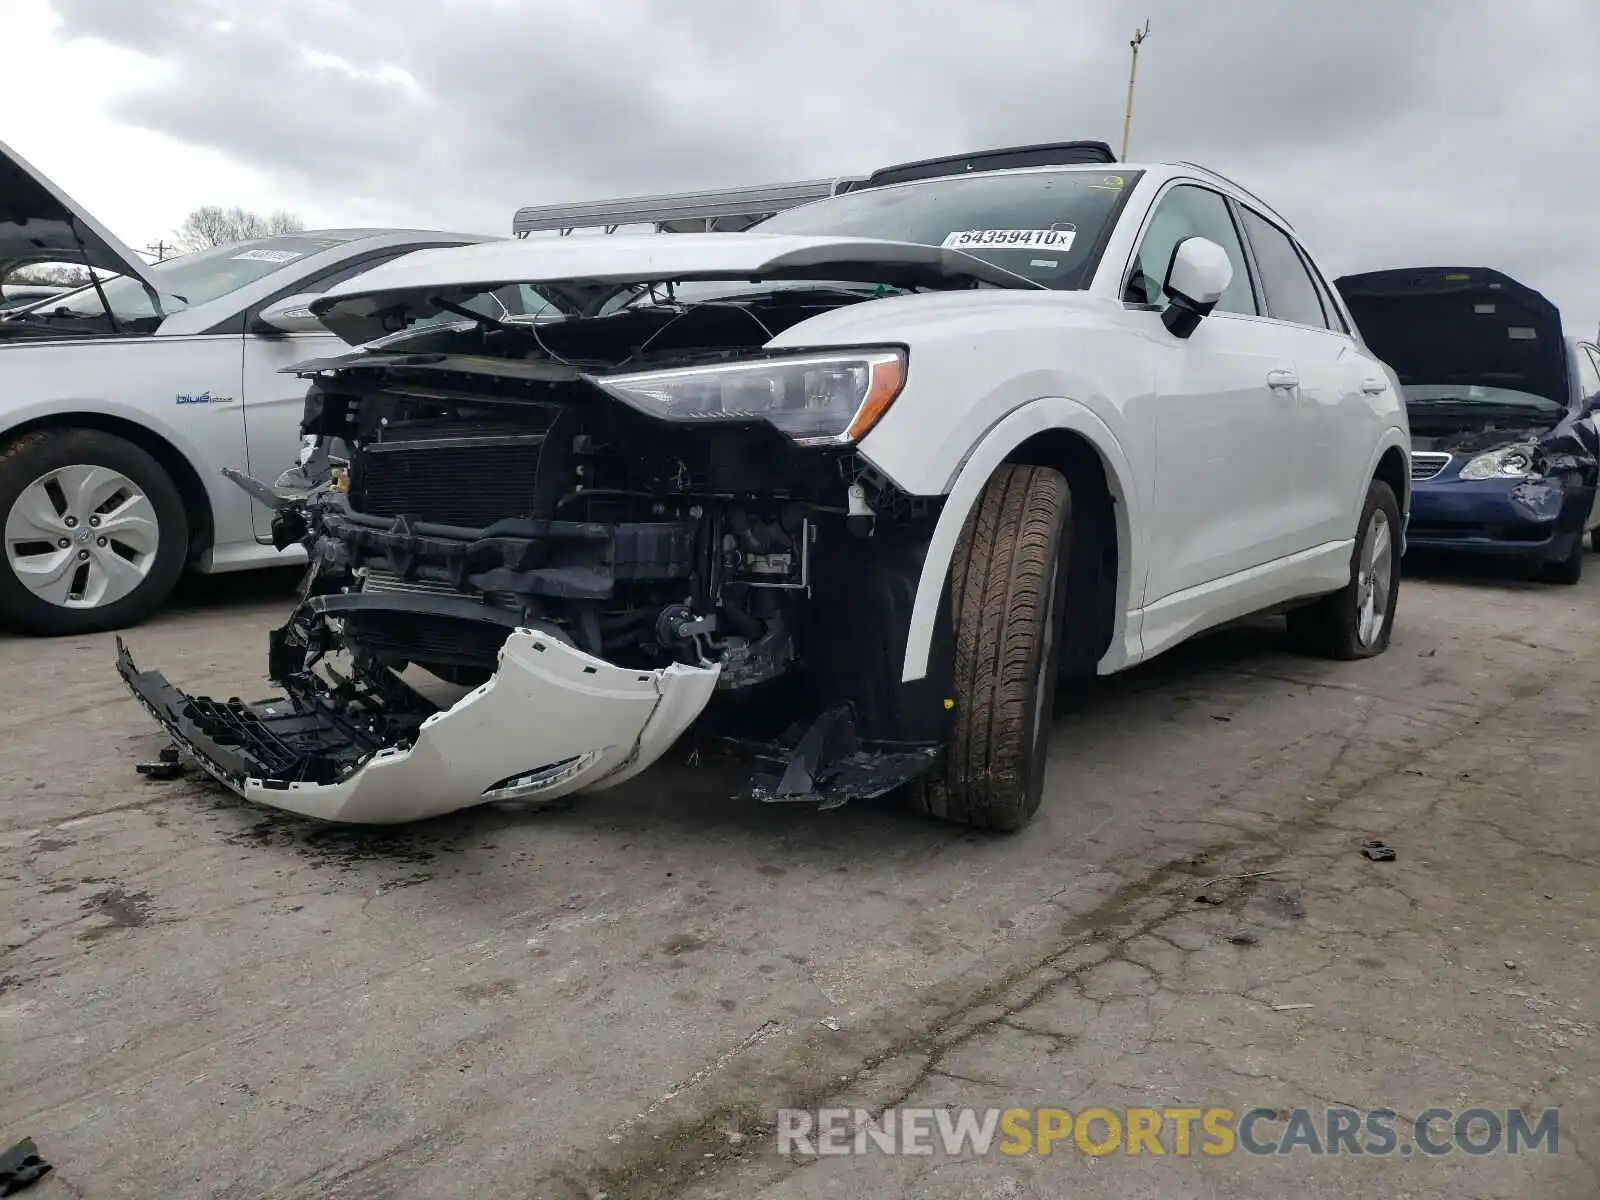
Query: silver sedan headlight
{"points": [[818, 398], [1508, 462]]}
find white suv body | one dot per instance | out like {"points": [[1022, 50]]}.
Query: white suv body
{"points": [[1098, 410]]}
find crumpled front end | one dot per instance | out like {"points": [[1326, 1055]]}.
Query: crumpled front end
{"points": [[552, 721], [593, 563]]}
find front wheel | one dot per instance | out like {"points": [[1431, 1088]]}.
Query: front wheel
{"points": [[95, 533], [1568, 570], [1358, 619], [1008, 580]]}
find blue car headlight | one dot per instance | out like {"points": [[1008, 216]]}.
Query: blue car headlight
{"points": [[817, 398], [1508, 462]]}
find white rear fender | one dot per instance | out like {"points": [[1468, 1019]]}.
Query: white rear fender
{"points": [[995, 447]]}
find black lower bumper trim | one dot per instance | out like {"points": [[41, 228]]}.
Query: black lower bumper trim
{"points": [[275, 741]]}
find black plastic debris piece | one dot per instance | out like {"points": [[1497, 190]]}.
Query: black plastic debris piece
{"points": [[827, 763], [169, 766], [1377, 851], [21, 1167]]}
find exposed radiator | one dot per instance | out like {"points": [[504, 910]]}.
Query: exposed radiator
{"points": [[458, 473]]}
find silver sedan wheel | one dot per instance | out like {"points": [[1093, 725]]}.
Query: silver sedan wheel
{"points": [[1374, 578], [82, 537]]}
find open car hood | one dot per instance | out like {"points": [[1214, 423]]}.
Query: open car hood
{"points": [[1466, 325], [580, 272], [41, 223]]}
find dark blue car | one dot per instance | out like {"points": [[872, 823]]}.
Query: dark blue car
{"points": [[1503, 410]]}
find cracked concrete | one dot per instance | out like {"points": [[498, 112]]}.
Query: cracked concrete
{"points": [[199, 999]]}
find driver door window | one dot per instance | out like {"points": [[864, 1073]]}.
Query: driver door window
{"points": [[1189, 211]]}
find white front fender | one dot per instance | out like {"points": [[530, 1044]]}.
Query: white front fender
{"points": [[1038, 416]]}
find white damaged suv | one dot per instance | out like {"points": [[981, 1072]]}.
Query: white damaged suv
{"points": [[852, 492]]}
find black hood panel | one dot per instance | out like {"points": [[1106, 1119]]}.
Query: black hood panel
{"points": [[41, 223], [1460, 325]]}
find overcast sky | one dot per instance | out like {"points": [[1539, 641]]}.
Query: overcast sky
{"points": [[1391, 132]]}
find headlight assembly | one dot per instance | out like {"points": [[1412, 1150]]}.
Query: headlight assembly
{"points": [[832, 397], [1508, 462]]}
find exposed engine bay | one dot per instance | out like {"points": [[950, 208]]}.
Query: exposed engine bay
{"points": [[570, 499]]}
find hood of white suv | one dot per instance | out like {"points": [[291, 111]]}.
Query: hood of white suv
{"points": [[41, 223], [578, 271]]}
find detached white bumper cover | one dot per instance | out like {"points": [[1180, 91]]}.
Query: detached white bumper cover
{"points": [[553, 721]]}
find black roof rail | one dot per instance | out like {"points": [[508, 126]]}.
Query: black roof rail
{"points": [[1237, 186], [1045, 154]]}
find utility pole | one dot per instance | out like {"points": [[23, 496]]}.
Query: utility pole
{"points": [[1139, 36], [159, 249]]}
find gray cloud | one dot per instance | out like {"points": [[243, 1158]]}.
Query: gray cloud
{"points": [[1427, 131]]}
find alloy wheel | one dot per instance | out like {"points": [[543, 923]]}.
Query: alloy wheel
{"points": [[1374, 578], [82, 536]]}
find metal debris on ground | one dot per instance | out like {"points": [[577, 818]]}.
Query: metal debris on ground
{"points": [[169, 766], [21, 1167], [1377, 851]]}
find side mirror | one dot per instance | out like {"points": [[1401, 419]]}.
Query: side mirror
{"points": [[292, 314], [1594, 404], [1196, 278]]}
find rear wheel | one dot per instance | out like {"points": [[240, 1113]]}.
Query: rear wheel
{"points": [[1009, 598], [1357, 620], [94, 530]]}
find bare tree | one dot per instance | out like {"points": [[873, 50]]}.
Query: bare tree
{"points": [[212, 225], [50, 275]]}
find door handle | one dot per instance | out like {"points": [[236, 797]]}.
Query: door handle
{"points": [[1282, 380], [1374, 387]]}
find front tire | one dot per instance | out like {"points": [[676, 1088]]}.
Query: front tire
{"points": [[1568, 570], [1009, 598], [95, 534], [1358, 619]]}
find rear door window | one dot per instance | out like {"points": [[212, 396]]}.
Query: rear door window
{"points": [[1330, 307], [1290, 293]]}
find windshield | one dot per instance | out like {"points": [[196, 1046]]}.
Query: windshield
{"points": [[192, 279], [1437, 394], [1045, 225], [702, 291], [514, 303]]}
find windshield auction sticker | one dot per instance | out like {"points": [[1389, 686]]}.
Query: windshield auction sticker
{"points": [[1010, 239], [268, 256]]}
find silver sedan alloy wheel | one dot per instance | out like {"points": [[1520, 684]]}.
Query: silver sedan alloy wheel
{"points": [[82, 537]]}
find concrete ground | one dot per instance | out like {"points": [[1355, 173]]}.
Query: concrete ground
{"points": [[613, 998]]}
